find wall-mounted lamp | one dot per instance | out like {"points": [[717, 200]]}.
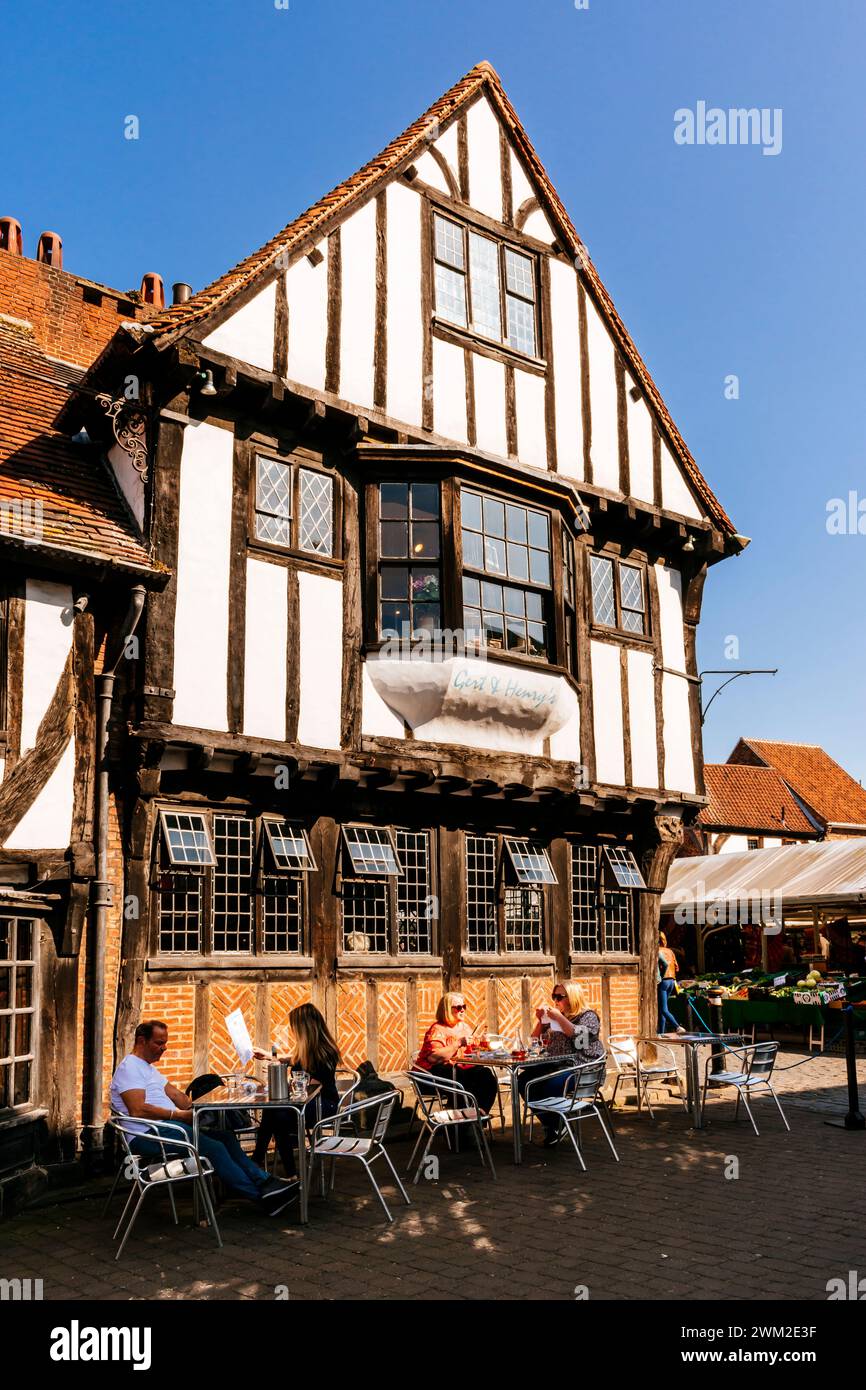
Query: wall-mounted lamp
{"points": [[206, 378], [689, 546]]}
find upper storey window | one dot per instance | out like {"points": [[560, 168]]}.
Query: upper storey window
{"points": [[506, 573], [294, 506], [485, 285], [618, 595]]}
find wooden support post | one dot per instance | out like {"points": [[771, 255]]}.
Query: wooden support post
{"points": [[659, 851]]}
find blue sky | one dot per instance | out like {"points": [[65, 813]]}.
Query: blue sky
{"points": [[721, 260]]}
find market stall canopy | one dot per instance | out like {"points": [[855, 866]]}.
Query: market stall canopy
{"points": [[829, 874]]}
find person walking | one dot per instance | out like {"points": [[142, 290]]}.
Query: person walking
{"points": [[667, 986]]}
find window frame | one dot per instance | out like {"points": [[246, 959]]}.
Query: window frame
{"points": [[605, 888], [503, 242], [384, 563], [164, 957], [501, 951], [298, 463], [646, 636], [347, 958], [12, 1059]]}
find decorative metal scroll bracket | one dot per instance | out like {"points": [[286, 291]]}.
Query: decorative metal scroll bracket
{"points": [[129, 427]]}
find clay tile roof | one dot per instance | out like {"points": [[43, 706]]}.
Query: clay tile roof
{"points": [[825, 787], [310, 226], [751, 799], [61, 494]]}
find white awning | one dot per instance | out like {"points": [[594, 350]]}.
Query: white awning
{"points": [[830, 874]]}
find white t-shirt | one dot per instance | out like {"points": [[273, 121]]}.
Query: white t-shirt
{"points": [[134, 1074]]}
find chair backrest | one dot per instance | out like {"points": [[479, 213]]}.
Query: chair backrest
{"points": [[383, 1117], [760, 1059], [589, 1080], [623, 1051], [348, 1081], [434, 1092]]}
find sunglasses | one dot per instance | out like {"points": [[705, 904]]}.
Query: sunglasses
{"points": [[558, 998], [460, 1008]]}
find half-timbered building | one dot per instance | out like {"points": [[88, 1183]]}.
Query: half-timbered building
{"points": [[417, 707]]}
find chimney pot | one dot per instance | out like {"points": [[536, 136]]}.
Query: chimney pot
{"points": [[10, 236], [152, 290], [180, 292], [50, 250]]}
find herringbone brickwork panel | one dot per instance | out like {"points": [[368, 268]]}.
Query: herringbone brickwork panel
{"points": [[475, 994], [224, 999], [429, 994], [282, 999], [393, 1036], [539, 997], [509, 1008], [352, 1021]]}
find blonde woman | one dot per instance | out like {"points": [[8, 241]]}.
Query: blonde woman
{"points": [[443, 1046], [314, 1050], [570, 1031]]}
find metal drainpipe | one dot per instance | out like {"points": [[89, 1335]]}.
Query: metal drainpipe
{"points": [[101, 892]]}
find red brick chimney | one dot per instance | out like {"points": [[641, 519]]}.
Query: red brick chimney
{"points": [[50, 250], [10, 236]]}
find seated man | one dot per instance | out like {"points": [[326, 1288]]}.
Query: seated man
{"points": [[139, 1091]]}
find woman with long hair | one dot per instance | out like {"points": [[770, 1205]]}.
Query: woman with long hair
{"points": [[443, 1046], [570, 1031], [315, 1051]]}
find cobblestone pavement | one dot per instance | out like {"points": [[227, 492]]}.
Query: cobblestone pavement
{"points": [[667, 1222]]}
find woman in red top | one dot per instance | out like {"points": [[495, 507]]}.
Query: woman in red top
{"points": [[443, 1045]]}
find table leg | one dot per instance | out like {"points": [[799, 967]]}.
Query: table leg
{"points": [[195, 1210], [694, 1087], [515, 1115], [302, 1164]]}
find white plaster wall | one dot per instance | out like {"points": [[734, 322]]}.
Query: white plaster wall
{"points": [[679, 760], [321, 622], [521, 188], [358, 317], [405, 332], [248, 334], [565, 743], [307, 290], [676, 496], [47, 643], [377, 720], [529, 409], [490, 431], [607, 714], [429, 171], [739, 844], [202, 610], [642, 719], [449, 391], [538, 226], [485, 178], [447, 147], [670, 590], [265, 651], [467, 735], [48, 822], [565, 342], [602, 393], [129, 481], [640, 446]]}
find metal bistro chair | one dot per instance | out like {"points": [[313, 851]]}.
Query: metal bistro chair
{"points": [[446, 1105], [123, 1160], [634, 1064], [167, 1171], [756, 1068], [582, 1100], [348, 1081], [336, 1145]]}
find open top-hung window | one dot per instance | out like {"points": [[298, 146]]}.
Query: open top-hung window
{"points": [[603, 885], [293, 506], [507, 594], [387, 894], [505, 894], [485, 285]]}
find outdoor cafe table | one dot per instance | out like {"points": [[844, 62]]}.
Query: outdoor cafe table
{"points": [[222, 1099], [501, 1061], [690, 1042]]}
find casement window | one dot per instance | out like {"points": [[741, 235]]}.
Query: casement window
{"points": [[230, 885], [483, 284], [619, 594], [604, 880], [505, 881], [752, 843], [386, 891], [506, 574], [409, 559], [293, 506], [18, 945]]}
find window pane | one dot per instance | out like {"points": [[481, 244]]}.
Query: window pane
{"points": [[365, 916], [471, 591], [518, 274], [617, 913], [470, 509], [515, 524], [180, 911], [449, 242], [425, 617], [484, 271], [23, 987], [414, 920], [370, 850], [603, 602], [425, 584], [395, 581], [6, 988], [491, 595], [393, 618], [425, 501], [537, 638], [273, 500], [7, 926], [394, 538], [514, 602], [534, 605], [22, 1083], [317, 513], [282, 914], [631, 587], [450, 295], [289, 846], [632, 622], [186, 838], [518, 562], [494, 556], [624, 867], [481, 893], [22, 1034], [473, 550], [584, 901], [539, 567], [425, 539], [472, 624], [494, 630], [394, 501], [521, 325], [4, 1037], [494, 517], [524, 919], [539, 530], [24, 936], [530, 862], [516, 635]]}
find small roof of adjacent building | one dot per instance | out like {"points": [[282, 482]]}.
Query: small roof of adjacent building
{"points": [[831, 873], [826, 789], [752, 800]]}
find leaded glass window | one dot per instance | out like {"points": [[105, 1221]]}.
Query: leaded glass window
{"points": [[273, 500], [392, 913], [486, 285], [603, 903], [618, 594], [505, 916], [294, 506]]}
